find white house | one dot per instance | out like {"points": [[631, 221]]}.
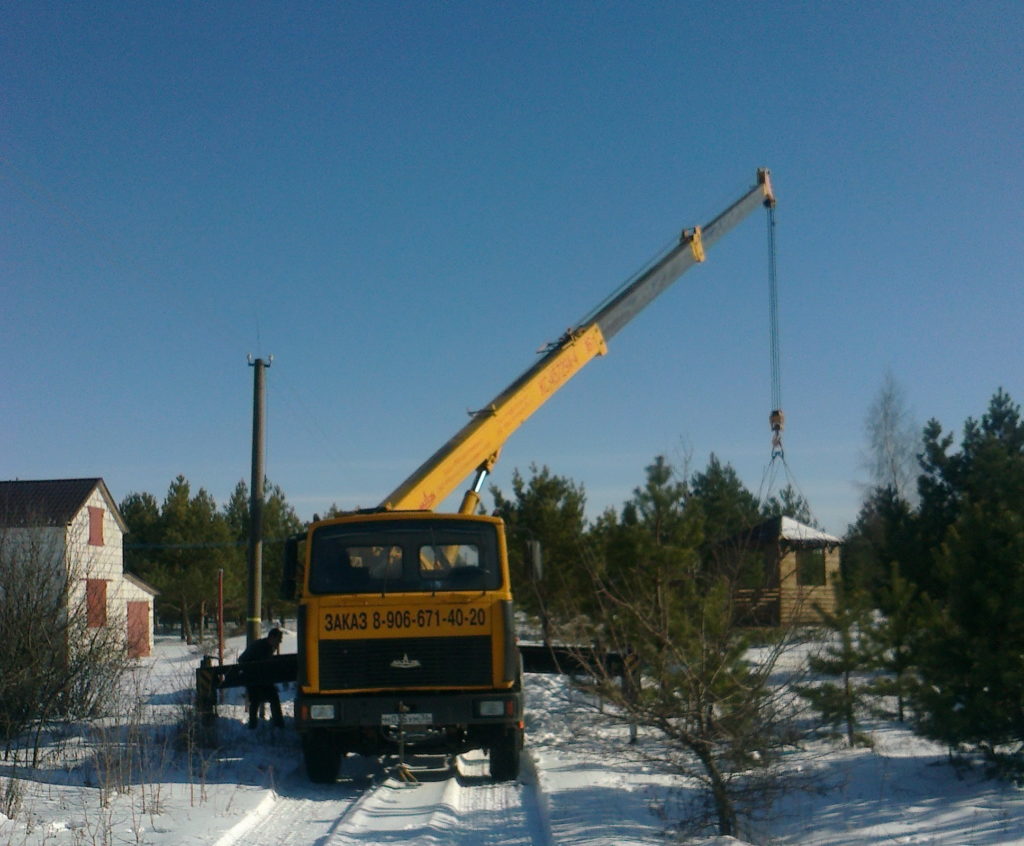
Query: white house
{"points": [[76, 523]]}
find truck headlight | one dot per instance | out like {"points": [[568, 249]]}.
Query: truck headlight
{"points": [[321, 712], [491, 708]]}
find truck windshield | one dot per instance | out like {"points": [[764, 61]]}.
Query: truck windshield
{"points": [[404, 556]]}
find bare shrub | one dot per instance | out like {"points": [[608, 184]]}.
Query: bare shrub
{"points": [[56, 666], [12, 794]]}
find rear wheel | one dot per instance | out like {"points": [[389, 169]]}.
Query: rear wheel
{"points": [[505, 754], [322, 756]]}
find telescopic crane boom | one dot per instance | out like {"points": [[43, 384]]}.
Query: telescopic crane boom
{"points": [[476, 446]]}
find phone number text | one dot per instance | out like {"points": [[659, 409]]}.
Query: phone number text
{"points": [[423, 618]]}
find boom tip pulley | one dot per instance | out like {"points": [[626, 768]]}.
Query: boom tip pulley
{"points": [[764, 179]]}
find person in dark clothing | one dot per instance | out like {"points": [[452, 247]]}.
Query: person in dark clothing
{"points": [[261, 650]]}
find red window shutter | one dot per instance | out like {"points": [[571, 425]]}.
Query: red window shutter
{"points": [[95, 526], [95, 603], [138, 629]]}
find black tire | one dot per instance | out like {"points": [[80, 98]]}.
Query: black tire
{"points": [[505, 756], [322, 757]]}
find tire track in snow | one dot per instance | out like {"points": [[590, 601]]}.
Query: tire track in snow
{"points": [[299, 814], [450, 806]]}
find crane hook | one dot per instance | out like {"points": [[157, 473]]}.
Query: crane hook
{"points": [[777, 420]]}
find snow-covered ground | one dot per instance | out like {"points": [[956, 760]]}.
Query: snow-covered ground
{"points": [[144, 782]]}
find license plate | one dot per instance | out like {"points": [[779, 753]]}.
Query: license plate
{"points": [[411, 719]]}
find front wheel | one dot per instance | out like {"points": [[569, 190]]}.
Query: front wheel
{"points": [[322, 756], [505, 755]]}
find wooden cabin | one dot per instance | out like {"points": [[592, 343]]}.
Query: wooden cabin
{"points": [[791, 572]]}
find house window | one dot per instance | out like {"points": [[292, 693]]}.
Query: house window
{"points": [[95, 526], [95, 603], [810, 567]]}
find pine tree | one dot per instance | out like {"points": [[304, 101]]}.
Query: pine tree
{"points": [[719, 720], [549, 509], [890, 637], [141, 514], [659, 505], [886, 531], [845, 658], [728, 511], [192, 542], [729, 508], [970, 657]]}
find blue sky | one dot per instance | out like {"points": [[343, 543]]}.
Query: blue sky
{"points": [[401, 201]]}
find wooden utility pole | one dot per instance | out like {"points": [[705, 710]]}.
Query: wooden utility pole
{"points": [[253, 628]]}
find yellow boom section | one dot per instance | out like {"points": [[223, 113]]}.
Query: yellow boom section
{"points": [[476, 446], [479, 441]]}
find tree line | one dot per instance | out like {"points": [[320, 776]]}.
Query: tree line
{"points": [[181, 544], [934, 590], [928, 626]]}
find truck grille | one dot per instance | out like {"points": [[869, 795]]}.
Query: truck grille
{"points": [[405, 662]]}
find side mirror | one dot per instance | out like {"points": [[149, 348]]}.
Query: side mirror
{"points": [[534, 560]]}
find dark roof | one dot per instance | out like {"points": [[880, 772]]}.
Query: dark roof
{"points": [[50, 502]]}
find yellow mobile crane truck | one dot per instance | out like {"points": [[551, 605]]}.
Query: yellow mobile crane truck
{"points": [[405, 625]]}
